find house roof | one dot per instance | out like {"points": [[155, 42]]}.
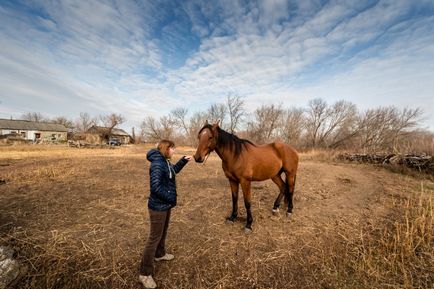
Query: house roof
{"points": [[115, 131], [31, 125]]}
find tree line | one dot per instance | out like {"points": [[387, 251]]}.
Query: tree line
{"points": [[340, 125], [319, 125]]}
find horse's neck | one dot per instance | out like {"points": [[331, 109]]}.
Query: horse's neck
{"points": [[225, 155]]}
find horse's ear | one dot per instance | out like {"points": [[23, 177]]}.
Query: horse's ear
{"points": [[206, 122], [215, 126]]}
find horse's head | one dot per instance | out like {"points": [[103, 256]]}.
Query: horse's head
{"points": [[207, 141]]}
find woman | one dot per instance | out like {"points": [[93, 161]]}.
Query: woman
{"points": [[161, 200]]}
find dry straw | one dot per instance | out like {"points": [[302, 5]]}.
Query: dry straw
{"points": [[77, 219]]}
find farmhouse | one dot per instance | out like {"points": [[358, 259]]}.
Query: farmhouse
{"points": [[116, 133], [34, 131]]}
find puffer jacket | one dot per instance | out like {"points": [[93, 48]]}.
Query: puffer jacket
{"points": [[162, 180]]}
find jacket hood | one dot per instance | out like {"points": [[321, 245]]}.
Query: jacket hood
{"points": [[154, 155]]}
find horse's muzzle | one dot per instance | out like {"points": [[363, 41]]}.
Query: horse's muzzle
{"points": [[198, 159]]}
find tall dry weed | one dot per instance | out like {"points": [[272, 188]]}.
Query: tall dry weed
{"points": [[399, 256]]}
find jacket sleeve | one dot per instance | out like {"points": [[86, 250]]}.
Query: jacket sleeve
{"points": [[180, 164], [158, 187]]}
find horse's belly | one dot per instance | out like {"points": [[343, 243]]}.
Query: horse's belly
{"points": [[263, 173]]}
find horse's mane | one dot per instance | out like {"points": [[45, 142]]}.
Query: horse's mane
{"points": [[229, 141]]}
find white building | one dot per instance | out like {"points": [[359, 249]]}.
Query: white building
{"points": [[34, 131]]}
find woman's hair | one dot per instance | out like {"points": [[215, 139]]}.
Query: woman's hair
{"points": [[164, 145]]}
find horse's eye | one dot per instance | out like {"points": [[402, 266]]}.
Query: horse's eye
{"points": [[210, 138]]}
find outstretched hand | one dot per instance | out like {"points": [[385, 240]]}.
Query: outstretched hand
{"points": [[188, 158]]}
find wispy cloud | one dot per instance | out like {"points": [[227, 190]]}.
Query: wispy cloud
{"points": [[147, 57]]}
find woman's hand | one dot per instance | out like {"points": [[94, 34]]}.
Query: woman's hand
{"points": [[188, 158]]}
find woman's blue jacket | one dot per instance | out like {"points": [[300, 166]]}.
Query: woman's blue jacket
{"points": [[162, 180]]}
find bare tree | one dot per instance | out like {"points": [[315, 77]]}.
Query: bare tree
{"points": [[112, 120], [384, 127], [329, 126], [155, 130], [69, 124], [405, 120], [179, 120], [374, 127], [167, 127], [196, 123], [339, 124], [217, 112], [264, 123], [135, 138], [291, 125], [316, 115], [150, 129], [34, 116], [84, 122], [236, 111]]}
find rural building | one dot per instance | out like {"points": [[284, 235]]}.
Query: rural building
{"points": [[115, 133], [33, 131]]}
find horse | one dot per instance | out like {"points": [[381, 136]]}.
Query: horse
{"points": [[244, 162]]}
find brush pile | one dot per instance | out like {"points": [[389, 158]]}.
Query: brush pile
{"points": [[423, 163]]}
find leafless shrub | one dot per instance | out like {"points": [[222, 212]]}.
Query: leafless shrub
{"points": [[417, 142]]}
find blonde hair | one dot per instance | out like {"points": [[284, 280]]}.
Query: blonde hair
{"points": [[164, 145]]}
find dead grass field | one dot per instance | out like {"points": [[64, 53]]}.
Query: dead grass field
{"points": [[77, 218]]}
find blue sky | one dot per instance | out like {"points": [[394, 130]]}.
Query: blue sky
{"points": [[142, 58]]}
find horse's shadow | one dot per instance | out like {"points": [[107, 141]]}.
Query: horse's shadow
{"points": [[236, 220]]}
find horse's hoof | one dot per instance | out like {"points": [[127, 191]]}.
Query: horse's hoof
{"points": [[229, 221], [276, 211], [247, 231], [288, 215]]}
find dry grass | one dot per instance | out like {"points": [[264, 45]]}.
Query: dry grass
{"points": [[77, 218], [398, 255], [319, 155]]}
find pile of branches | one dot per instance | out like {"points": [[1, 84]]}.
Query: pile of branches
{"points": [[80, 144], [423, 163]]}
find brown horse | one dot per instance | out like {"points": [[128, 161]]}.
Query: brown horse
{"points": [[244, 162]]}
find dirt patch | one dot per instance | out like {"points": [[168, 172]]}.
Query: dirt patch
{"points": [[79, 220]]}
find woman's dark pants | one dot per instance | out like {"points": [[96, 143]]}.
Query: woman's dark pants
{"points": [[155, 246]]}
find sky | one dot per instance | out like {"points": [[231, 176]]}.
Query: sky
{"points": [[145, 58]]}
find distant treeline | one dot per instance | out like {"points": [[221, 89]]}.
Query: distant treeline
{"points": [[320, 125], [340, 125]]}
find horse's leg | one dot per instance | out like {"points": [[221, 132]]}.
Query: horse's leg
{"points": [[281, 184], [247, 193], [290, 182], [234, 190]]}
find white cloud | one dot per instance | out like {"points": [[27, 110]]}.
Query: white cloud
{"points": [[110, 56]]}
